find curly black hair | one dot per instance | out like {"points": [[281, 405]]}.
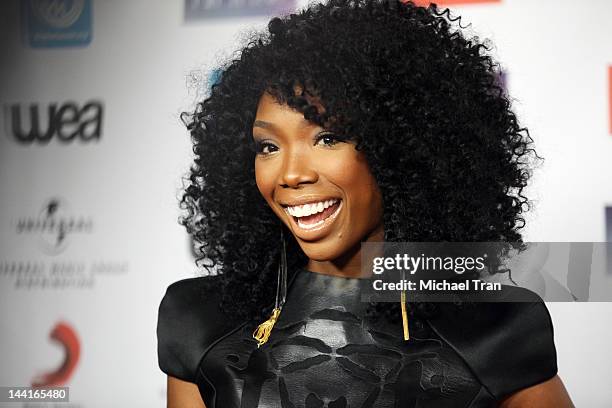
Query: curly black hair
{"points": [[420, 99]]}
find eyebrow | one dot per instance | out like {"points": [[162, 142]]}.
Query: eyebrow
{"points": [[267, 125], [263, 124]]}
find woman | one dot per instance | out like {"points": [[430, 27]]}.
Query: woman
{"points": [[353, 121]]}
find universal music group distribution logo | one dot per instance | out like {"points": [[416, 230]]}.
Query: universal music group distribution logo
{"points": [[53, 229], [54, 226]]}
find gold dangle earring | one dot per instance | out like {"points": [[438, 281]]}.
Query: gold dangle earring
{"points": [[263, 331], [404, 313]]}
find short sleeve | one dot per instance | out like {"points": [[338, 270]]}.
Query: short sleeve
{"points": [[189, 320], [508, 345]]}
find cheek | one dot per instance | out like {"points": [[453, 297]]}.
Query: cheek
{"points": [[264, 178], [363, 195], [353, 175]]}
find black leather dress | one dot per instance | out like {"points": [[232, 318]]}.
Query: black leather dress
{"points": [[323, 352]]}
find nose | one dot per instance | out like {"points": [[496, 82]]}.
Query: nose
{"points": [[297, 169]]}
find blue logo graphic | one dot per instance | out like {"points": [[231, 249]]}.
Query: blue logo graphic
{"points": [[203, 9], [57, 23]]}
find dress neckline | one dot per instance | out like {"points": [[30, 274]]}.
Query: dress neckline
{"points": [[329, 276]]}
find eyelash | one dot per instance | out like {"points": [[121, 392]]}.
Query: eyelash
{"points": [[261, 145], [336, 139]]}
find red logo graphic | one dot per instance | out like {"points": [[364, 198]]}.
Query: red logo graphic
{"points": [[453, 2], [64, 334]]}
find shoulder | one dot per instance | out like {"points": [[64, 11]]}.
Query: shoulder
{"points": [[508, 344], [189, 320]]}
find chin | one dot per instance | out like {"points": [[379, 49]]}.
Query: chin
{"points": [[320, 252]]}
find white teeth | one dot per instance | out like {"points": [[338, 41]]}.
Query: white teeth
{"points": [[310, 209], [319, 224]]}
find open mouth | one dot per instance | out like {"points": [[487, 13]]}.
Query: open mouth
{"points": [[313, 216]]}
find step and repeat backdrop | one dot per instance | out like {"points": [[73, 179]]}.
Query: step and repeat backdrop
{"points": [[92, 157]]}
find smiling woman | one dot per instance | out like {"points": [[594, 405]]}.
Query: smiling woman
{"points": [[319, 185], [351, 121]]}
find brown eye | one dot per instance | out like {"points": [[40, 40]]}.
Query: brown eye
{"points": [[327, 139], [265, 148]]}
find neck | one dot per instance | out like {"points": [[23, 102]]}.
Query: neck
{"points": [[348, 264]]}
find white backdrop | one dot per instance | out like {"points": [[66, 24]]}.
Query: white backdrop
{"points": [[143, 64]]}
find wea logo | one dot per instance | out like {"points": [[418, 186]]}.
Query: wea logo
{"points": [[65, 122]]}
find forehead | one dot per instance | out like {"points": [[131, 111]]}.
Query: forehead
{"points": [[275, 116]]}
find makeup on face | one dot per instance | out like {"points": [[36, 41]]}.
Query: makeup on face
{"points": [[317, 183]]}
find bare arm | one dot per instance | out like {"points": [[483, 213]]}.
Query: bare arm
{"points": [[549, 394], [183, 394]]}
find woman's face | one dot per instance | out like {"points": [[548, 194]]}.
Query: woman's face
{"points": [[319, 186]]}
